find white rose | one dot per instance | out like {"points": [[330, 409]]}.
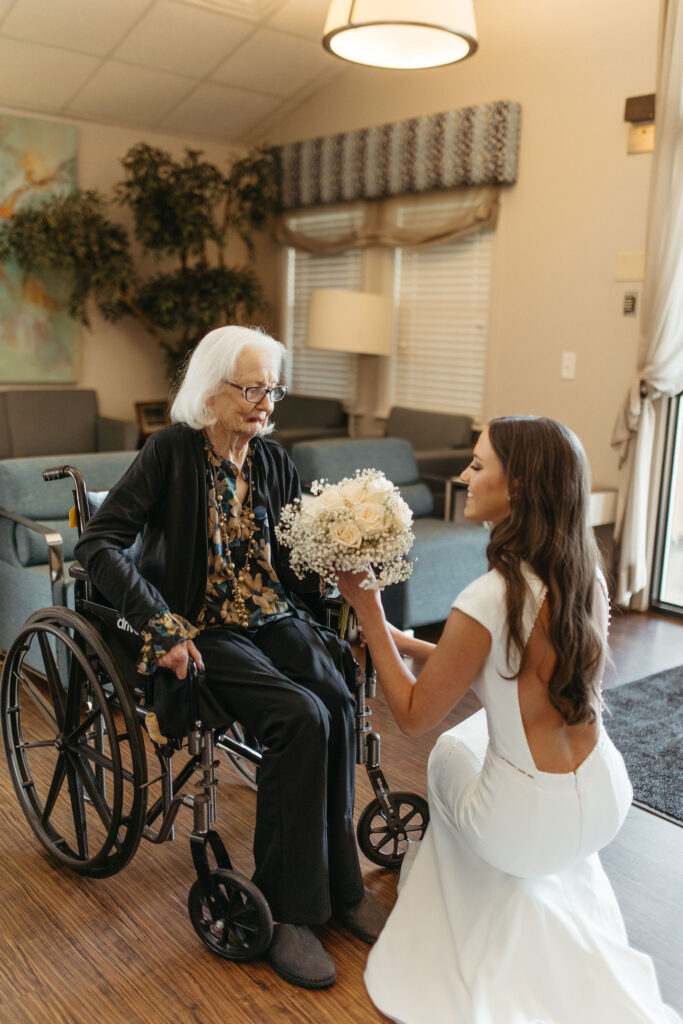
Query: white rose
{"points": [[346, 533], [379, 487], [403, 515], [370, 518], [354, 490], [330, 498]]}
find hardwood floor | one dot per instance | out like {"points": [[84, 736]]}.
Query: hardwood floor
{"points": [[122, 950]]}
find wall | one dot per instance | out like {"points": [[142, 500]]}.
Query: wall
{"points": [[121, 361], [578, 201]]}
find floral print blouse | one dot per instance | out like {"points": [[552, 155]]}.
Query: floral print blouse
{"points": [[262, 592]]}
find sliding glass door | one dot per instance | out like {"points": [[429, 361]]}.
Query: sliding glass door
{"points": [[667, 591]]}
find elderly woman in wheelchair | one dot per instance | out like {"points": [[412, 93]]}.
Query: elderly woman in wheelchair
{"points": [[214, 615], [213, 586]]}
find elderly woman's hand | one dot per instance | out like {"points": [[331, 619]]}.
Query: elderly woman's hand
{"points": [[177, 658]]}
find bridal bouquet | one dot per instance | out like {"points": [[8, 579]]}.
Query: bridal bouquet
{"points": [[361, 521]]}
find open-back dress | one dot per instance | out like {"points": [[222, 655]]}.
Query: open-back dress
{"points": [[504, 913]]}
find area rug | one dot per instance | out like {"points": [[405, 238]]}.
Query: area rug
{"points": [[646, 724]]}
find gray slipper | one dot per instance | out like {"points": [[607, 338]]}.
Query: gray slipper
{"points": [[365, 919], [297, 956]]}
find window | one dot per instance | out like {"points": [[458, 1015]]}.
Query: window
{"points": [[441, 295], [313, 372], [442, 300]]}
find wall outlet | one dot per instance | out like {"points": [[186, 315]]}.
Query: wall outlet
{"points": [[568, 366]]}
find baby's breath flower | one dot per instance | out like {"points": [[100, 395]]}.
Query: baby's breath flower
{"points": [[344, 527]]}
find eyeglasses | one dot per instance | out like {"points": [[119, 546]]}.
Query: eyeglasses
{"points": [[256, 395]]}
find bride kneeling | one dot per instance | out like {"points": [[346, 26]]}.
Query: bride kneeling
{"points": [[504, 913]]}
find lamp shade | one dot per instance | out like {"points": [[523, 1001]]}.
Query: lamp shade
{"points": [[350, 322], [401, 33]]}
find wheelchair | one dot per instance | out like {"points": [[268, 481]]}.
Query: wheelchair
{"points": [[77, 755]]}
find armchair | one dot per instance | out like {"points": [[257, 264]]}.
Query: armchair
{"points": [[442, 443], [36, 540], [50, 421]]}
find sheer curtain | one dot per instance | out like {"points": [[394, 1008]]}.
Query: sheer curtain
{"points": [[464, 211], [637, 432]]}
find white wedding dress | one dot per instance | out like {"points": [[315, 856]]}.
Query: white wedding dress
{"points": [[504, 913]]}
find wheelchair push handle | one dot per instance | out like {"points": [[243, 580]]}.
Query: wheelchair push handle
{"points": [[81, 513], [55, 473], [61, 472]]}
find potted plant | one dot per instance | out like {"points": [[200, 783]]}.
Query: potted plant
{"points": [[185, 213]]}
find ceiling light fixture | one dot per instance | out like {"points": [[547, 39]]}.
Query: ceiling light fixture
{"points": [[401, 33]]}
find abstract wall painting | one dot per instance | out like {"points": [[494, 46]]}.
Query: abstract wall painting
{"points": [[39, 341]]}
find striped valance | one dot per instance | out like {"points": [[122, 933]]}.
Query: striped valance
{"points": [[473, 146]]}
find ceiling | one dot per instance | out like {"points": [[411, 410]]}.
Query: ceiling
{"points": [[225, 70]]}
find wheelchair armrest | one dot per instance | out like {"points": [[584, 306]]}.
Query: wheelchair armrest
{"points": [[77, 572], [55, 550]]}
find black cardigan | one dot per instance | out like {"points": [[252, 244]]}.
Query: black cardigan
{"points": [[163, 496]]}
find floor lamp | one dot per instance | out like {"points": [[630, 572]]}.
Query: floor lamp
{"points": [[360, 323]]}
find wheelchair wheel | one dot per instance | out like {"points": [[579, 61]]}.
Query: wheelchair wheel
{"points": [[244, 768], [244, 925], [383, 844], [73, 743]]}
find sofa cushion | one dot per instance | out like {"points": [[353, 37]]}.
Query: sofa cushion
{"points": [[23, 490], [309, 412], [31, 548], [332, 460], [445, 464], [430, 430], [340, 458]]}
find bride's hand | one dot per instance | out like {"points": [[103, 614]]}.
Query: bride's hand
{"points": [[362, 600]]}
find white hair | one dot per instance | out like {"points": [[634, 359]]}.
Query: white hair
{"points": [[212, 362]]}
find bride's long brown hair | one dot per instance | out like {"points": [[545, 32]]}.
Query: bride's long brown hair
{"points": [[548, 528]]}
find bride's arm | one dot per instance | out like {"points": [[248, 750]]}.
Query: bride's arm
{"points": [[419, 704], [409, 647]]}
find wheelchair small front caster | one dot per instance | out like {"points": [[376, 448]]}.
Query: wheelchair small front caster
{"points": [[241, 926], [384, 842]]}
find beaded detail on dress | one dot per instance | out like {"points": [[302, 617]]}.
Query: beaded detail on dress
{"points": [[242, 586]]}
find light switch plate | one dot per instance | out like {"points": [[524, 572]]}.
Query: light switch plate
{"points": [[641, 138], [568, 366]]}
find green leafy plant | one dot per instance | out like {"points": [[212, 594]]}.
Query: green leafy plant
{"points": [[185, 213]]}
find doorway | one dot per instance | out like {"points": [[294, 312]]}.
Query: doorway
{"points": [[667, 582]]}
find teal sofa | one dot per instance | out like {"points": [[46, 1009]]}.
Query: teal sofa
{"points": [[36, 541], [449, 555]]}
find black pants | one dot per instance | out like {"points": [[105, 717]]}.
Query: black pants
{"points": [[288, 684]]}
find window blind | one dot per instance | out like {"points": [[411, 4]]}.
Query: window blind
{"points": [[442, 300], [314, 372]]}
